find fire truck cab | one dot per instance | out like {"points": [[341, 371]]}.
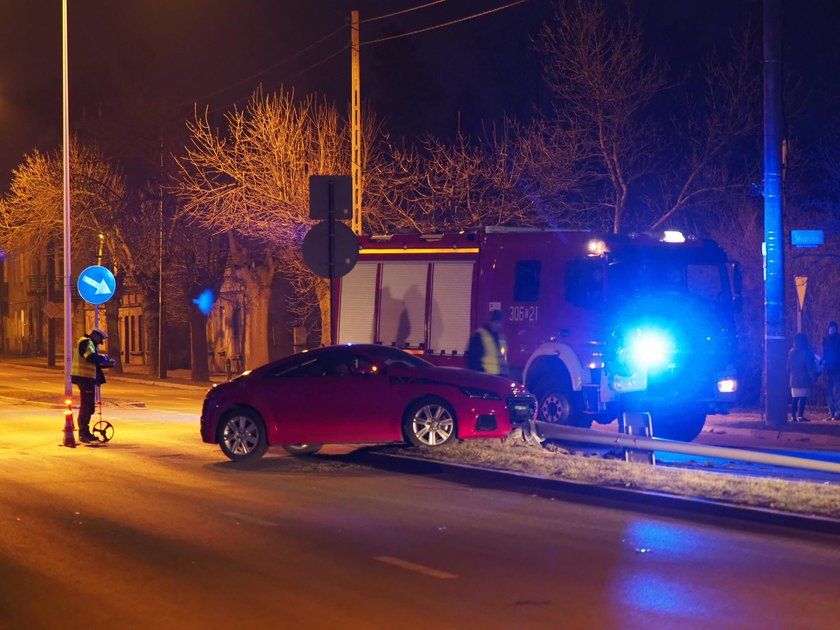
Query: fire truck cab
{"points": [[596, 324]]}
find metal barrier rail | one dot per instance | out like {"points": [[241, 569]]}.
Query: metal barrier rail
{"points": [[572, 434]]}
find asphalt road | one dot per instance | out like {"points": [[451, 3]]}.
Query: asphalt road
{"points": [[159, 530]]}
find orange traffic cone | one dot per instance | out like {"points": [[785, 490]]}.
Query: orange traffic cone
{"points": [[69, 427]]}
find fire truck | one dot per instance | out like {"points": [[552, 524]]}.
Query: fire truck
{"points": [[596, 324]]}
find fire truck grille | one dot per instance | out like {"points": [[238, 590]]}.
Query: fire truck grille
{"points": [[521, 409]]}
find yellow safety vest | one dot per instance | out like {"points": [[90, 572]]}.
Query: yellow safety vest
{"points": [[81, 366], [494, 357]]}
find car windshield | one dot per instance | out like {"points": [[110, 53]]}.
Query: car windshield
{"points": [[392, 356]]}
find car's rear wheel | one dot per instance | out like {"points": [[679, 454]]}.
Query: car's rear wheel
{"points": [[242, 436], [429, 422], [302, 449]]}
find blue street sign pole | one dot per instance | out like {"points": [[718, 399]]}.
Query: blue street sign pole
{"points": [[96, 286]]}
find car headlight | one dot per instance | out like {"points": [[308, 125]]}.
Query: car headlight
{"points": [[649, 348], [475, 392]]}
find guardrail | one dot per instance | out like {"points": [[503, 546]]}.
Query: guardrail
{"points": [[550, 431]]}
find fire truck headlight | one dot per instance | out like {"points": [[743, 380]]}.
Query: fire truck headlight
{"points": [[650, 349], [727, 385]]}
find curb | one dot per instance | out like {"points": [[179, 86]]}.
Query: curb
{"points": [[627, 499], [160, 383]]}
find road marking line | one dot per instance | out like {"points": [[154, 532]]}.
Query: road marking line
{"points": [[417, 568], [250, 519]]}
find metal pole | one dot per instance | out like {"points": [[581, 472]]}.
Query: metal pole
{"points": [[331, 254], [355, 123], [570, 434], [161, 362], [776, 392], [98, 389], [68, 307]]}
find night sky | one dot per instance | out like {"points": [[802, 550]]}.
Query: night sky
{"points": [[218, 51]]}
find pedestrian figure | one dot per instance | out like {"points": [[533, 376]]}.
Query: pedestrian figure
{"points": [[802, 365], [86, 373], [487, 350], [831, 368]]}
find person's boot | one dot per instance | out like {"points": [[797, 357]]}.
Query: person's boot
{"points": [[86, 436]]}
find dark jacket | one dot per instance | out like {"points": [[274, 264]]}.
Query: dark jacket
{"points": [[802, 365], [831, 353]]}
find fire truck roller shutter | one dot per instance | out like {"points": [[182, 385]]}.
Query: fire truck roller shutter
{"points": [[358, 291], [402, 304], [449, 328]]}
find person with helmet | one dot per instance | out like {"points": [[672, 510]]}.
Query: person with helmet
{"points": [[487, 350], [86, 373]]}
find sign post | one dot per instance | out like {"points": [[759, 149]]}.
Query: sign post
{"points": [[96, 285], [801, 287], [330, 249]]}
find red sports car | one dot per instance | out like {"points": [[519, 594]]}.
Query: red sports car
{"points": [[358, 393]]}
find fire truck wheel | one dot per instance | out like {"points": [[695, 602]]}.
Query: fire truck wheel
{"points": [[429, 422], [302, 449], [683, 427], [558, 404]]}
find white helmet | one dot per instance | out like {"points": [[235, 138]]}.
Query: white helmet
{"points": [[98, 331]]}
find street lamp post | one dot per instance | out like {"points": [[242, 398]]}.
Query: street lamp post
{"points": [[68, 307]]}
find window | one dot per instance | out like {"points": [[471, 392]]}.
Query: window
{"points": [[585, 282], [306, 366], [526, 287]]}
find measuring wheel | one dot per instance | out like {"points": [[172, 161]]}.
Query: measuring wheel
{"points": [[103, 431]]}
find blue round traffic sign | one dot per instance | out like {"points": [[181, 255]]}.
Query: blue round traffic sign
{"points": [[96, 284]]}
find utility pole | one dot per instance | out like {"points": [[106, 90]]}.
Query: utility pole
{"points": [[775, 360], [161, 346], [355, 124]]}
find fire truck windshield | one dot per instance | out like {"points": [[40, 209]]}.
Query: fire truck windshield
{"points": [[658, 274]]}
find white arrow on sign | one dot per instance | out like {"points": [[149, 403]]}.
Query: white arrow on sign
{"points": [[101, 286]]}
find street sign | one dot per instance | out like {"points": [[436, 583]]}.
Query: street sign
{"points": [[321, 188], [96, 284], [806, 238], [801, 288], [316, 249], [52, 310]]}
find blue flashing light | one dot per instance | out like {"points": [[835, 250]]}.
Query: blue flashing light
{"points": [[649, 348], [205, 301]]}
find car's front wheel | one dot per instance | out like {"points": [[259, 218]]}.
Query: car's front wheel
{"points": [[429, 422], [242, 436], [302, 449]]}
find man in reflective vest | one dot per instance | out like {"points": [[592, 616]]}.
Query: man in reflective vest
{"points": [[86, 373], [487, 351]]}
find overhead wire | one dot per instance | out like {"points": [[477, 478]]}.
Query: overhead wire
{"points": [[278, 64], [403, 12], [346, 47], [444, 24]]}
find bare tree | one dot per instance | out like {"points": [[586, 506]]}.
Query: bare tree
{"points": [[32, 215], [715, 141], [469, 183], [251, 181], [603, 80], [609, 97]]}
